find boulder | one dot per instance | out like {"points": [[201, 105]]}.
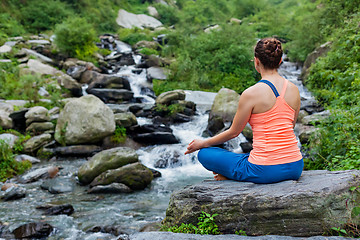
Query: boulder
{"points": [[111, 94], [215, 124], [9, 138], [156, 138], [36, 66], [108, 81], [65, 209], [130, 20], [37, 114], [111, 188], [147, 44], [58, 185], [6, 107], [127, 119], [24, 157], [307, 207], [184, 236], [39, 127], [76, 71], [316, 118], [37, 174], [33, 230], [225, 104], [247, 132], [167, 97], [105, 160], [37, 55], [305, 132], [69, 83], [135, 175], [312, 57], [153, 12], [122, 47], [302, 114], [13, 193], [5, 49], [36, 142], [5, 121], [84, 120], [156, 73], [77, 150]]}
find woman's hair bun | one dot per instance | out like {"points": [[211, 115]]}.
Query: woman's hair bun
{"points": [[269, 52]]}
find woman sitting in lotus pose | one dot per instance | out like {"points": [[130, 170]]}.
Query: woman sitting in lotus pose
{"points": [[271, 107]]}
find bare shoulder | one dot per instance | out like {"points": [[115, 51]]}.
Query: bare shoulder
{"points": [[292, 90], [254, 91]]}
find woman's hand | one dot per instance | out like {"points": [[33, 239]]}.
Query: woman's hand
{"points": [[195, 145]]}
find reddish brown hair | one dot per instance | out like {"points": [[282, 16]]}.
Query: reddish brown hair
{"points": [[269, 52]]}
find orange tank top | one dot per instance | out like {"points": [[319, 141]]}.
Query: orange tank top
{"points": [[274, 141]]}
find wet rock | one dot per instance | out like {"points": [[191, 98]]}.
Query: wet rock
{"points": [[167, 97], [168, 159], [315, 118], [24, 157], [126, 60], [105, 160], [84, 120], [112, 94], [33, 230], [13, 193], [149, 128], [248, 133], [9, 138], [225, 104], [109, 81], [246, 147], [298, 208], [76, 71], [58, 185], [135, 175], [77, 150], [215, 125], [156, 174], [111, 188], [66, 209], [156, 138], [90, 76], [37, 142], [69, 83], [127, 119], [114, 230], [40, 127], [130, 20], [122, 47], [37, 174], [6, 186]]}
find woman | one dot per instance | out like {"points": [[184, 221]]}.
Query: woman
{"points": [[271, 107]]}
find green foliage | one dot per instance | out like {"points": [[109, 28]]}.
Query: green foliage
{"points": [[134, 35], [38, 16], [168, 14], [170, 110], [149, 51], [335, 81], [16, 86], [206, 225], [119, 135], [241, 233], [8, 166], [76, 37], [9, 27]]}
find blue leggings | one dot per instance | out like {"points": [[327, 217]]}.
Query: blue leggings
{"points": [[237, 167]]}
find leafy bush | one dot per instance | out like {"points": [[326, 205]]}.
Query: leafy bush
{"points": [[38, 16], [76, 37], [119, 135], [8, 166], [10, 27], [134, 35], [206, 225]]}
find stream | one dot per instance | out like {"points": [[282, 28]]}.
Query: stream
{"points": [[129, 211]]}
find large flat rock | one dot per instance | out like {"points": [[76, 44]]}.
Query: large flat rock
{"points": [[182, 236], [308, 207]]}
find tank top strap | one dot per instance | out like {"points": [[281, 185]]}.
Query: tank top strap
{"points": [[273, 88], [284, 88]]}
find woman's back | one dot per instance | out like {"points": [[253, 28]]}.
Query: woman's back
{"points": [[274, 141]]}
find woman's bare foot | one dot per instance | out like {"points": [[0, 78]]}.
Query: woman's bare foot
{"points": [[219, 177]]}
